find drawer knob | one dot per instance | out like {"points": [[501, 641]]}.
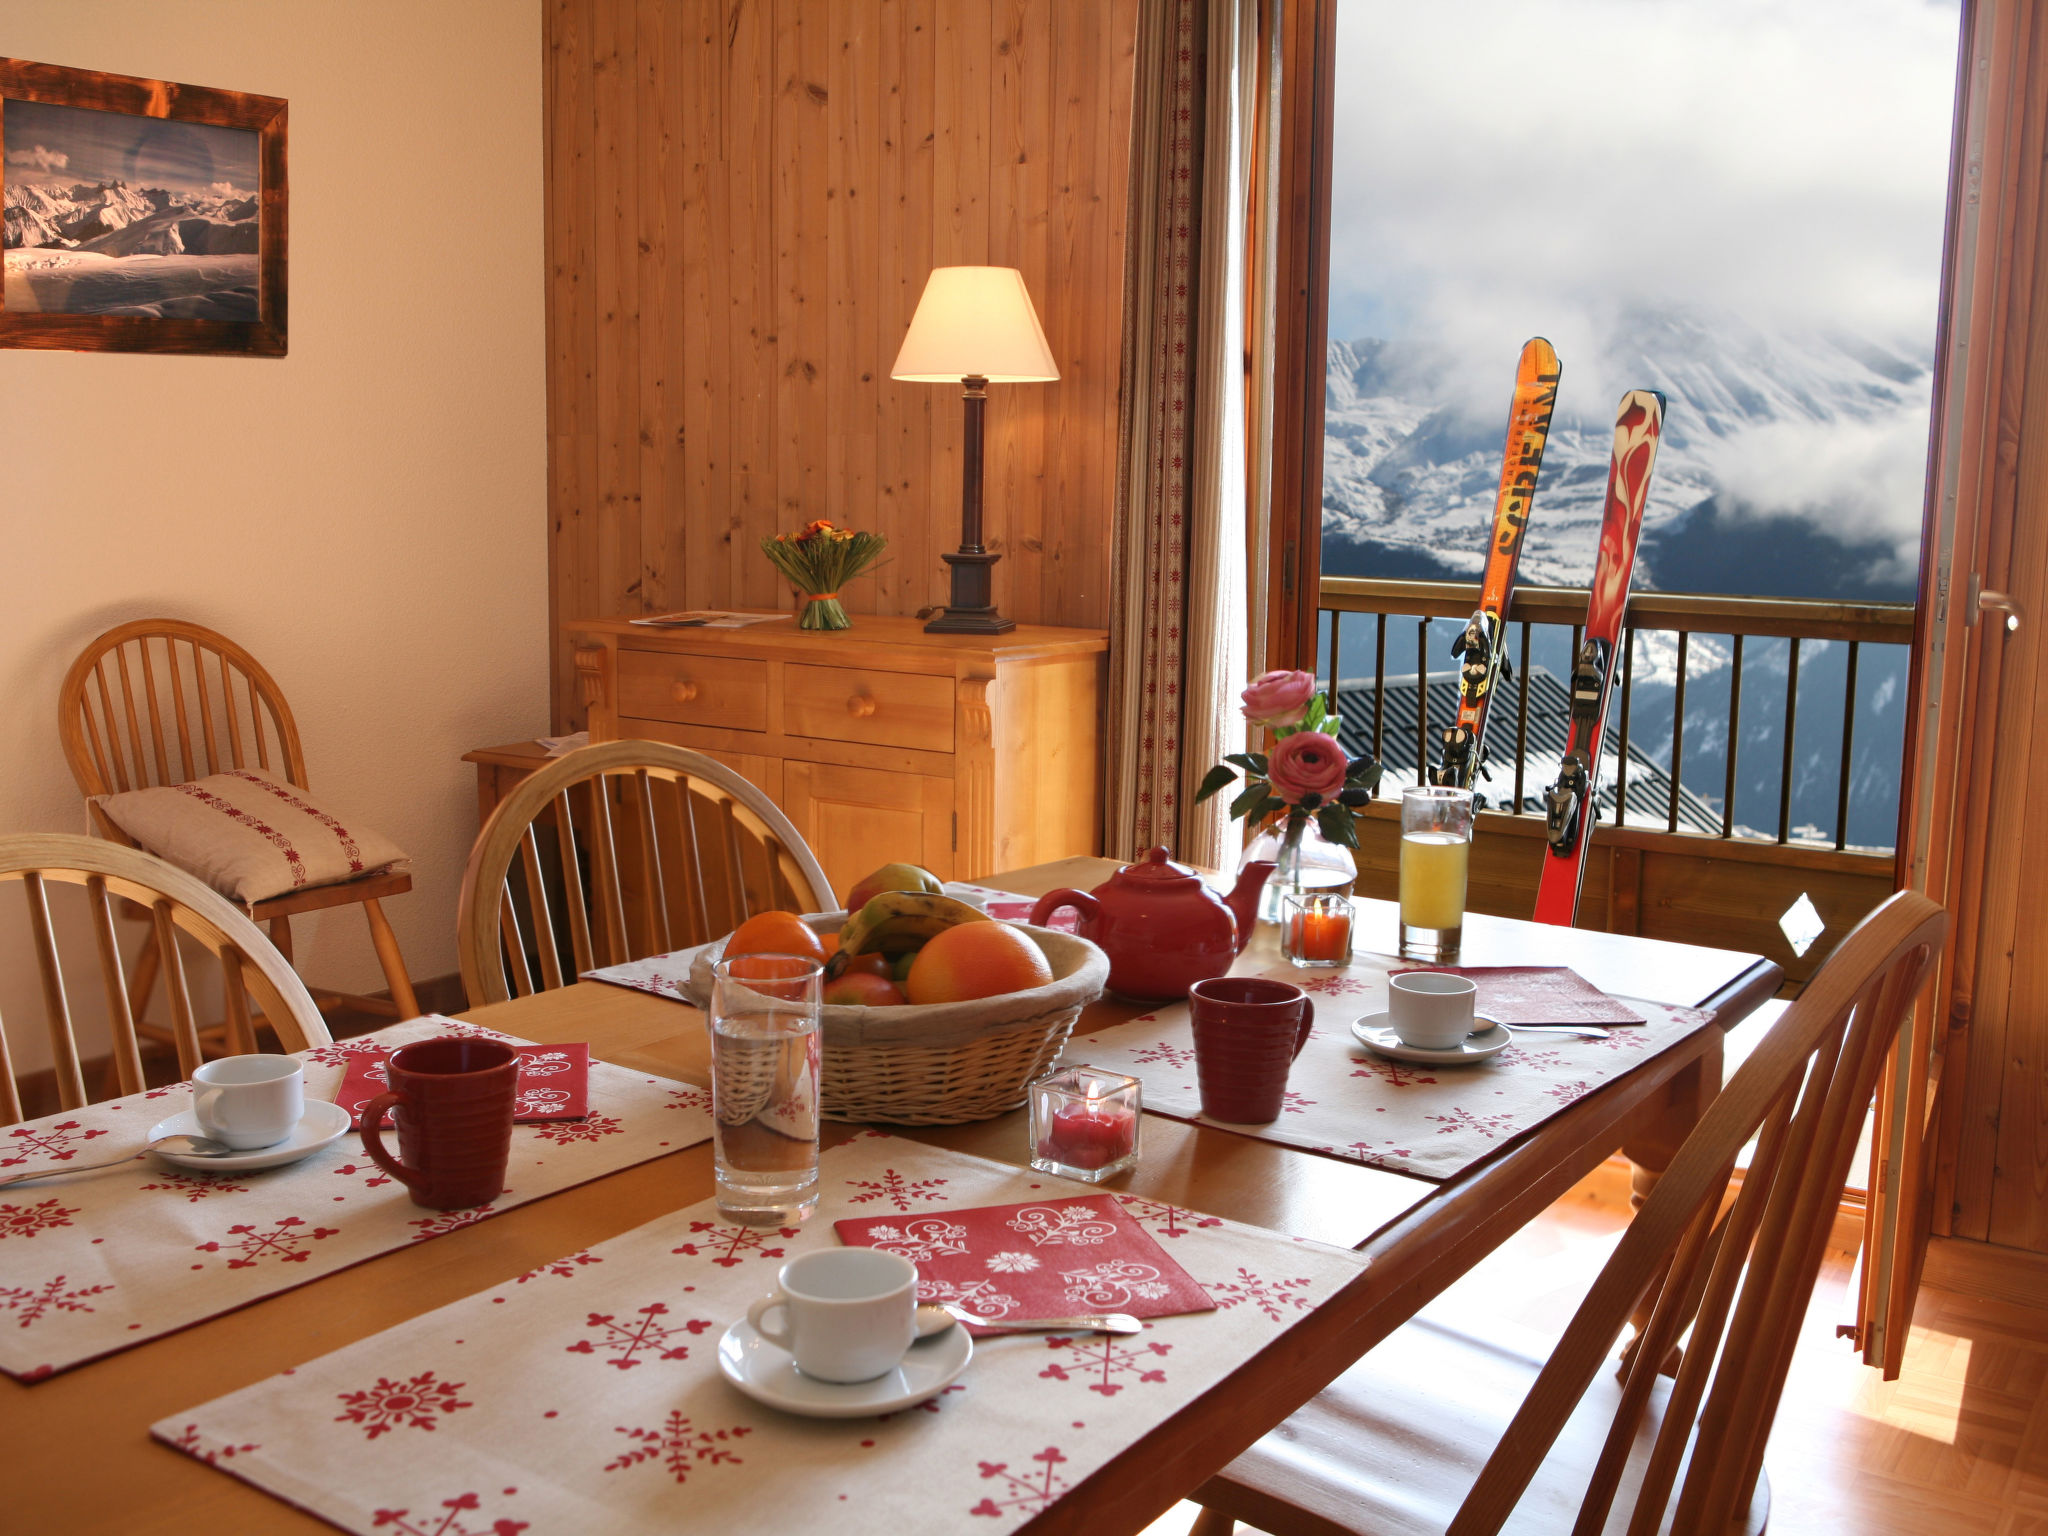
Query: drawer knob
{"points": [[861, 705], [685, 692]]}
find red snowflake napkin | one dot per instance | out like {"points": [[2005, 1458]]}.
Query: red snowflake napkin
{"points": [[554, 1084], [1538, 994], [1050, 1258]]}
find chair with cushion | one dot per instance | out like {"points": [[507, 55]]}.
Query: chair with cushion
{"points": [[184, 745], [1424, 1435], [175, 903], [617, 851]]}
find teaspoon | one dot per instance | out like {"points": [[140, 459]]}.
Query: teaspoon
{"points": [[183, 1146]]}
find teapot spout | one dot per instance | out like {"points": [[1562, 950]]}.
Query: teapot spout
{"points": [[1243, 900]]}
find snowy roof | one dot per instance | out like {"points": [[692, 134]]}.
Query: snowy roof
{"points": [[1649, 786]]}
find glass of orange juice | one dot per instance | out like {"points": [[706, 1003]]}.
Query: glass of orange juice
{"points": [[1436, 836]]}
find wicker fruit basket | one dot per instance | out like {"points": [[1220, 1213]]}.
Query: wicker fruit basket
{"points": [[943, 1063]]}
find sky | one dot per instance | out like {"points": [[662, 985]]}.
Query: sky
{"points": [[1509, 168], [66, 145]]}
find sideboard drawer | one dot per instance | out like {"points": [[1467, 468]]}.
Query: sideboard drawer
{"points": [[694, 690], [884, 709]]}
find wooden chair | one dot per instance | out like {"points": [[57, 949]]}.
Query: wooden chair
{"points": [[702, 851], [175, 903], [1395, 1445], [160, 702]]}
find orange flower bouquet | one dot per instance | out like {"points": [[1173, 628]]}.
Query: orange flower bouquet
{"points": [[818, 559]]}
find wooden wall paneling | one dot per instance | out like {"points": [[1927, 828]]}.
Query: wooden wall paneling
{"points": [[744, 201], [617, 271], [659, 200], [907, 503], [750, 119]]}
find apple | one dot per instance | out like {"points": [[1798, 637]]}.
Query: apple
{"points": [[893, 877], [862, 989]]}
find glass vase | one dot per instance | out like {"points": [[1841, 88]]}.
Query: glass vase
{"points": [[1304, 863]]}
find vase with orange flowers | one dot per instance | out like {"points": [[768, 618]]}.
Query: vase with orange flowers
{"points": [[819, 558]]}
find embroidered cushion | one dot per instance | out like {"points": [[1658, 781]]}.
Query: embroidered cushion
{"points": [[250, 834]]}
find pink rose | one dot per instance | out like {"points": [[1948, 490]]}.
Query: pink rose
{"points": [[1279, 698], [1306, 763]]}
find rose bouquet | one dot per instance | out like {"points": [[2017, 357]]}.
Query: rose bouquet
{"points": [[818, 558], [1305, 773]]}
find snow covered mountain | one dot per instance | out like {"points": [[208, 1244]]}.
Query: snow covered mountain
{"points": [[116, 219], [1788, 461]]}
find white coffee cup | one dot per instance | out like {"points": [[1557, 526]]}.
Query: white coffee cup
{"points": [[849, 1314], [249, 1101], [1431, 1010]]}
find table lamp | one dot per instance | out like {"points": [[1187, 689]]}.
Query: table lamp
{"points": [[976, 325]]}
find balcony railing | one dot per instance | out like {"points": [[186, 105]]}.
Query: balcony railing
{"points": [[1779, 771]]}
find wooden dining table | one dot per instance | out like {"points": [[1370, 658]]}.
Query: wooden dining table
{"points": [[77, 1448]]}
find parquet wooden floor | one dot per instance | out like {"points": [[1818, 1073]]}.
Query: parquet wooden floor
{"points": [[1958, 1446]]}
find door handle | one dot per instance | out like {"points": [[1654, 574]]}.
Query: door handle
{"points": [[861, 705], [1983, 600], [685, 692]]}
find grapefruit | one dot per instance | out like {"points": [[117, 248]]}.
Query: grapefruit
{"points": [[774, 933], [975, 960], [862, 989]]}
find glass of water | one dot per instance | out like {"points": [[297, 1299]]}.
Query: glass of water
{"points": [[764, 1086], [1436, 837]]}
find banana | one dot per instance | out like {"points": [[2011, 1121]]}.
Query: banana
{"points": [[898, 920]]}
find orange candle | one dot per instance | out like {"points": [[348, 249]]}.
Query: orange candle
{"points": [[1318, 930]]}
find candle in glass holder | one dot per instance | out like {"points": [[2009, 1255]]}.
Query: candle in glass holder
{"points": [[1084, 1123], [1315, 929]]}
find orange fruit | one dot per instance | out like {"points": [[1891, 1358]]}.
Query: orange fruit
{"points": [[774, 933], [831, 943], [975, 960], [862, 989]]}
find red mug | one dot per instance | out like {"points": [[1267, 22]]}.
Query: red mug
{"points": [[1247, 1033], [452, 1100]]}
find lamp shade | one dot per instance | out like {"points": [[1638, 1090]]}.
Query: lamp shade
{"points": [[975, 320]]}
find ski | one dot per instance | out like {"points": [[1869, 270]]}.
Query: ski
{"points": [[1570, 805], [1482, 644]]}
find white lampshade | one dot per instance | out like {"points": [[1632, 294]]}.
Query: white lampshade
{"points": [[975, 320]]}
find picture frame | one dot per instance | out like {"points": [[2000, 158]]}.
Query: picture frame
{"points": [[143, 235]]}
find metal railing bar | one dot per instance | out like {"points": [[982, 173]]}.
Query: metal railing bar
{"points": [[1379, 692], [1336, 657], [1628, 677], [1791, 722], [1848, 748], [1677, 733], [1422, 699], [1734, 740], [1782, 618], [1522, 721]]}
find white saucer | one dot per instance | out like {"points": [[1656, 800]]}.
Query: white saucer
{"points": [[322, 1123], [767, 1373], [1373, 1030]]}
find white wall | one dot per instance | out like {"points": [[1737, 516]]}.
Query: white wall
{"points": [[368, 514]]}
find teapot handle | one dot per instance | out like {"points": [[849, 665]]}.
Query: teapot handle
{"points": [[1089, 908]]}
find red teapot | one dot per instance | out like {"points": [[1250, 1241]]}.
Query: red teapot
{"points": [[1161, 926]]}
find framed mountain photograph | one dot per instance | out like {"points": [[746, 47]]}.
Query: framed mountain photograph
{"points": [[139, 215]]}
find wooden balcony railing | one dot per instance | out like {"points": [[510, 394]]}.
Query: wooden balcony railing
{"points": [[1349, 601], [1668, 861]]}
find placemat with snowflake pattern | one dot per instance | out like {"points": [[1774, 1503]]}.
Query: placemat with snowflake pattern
{"points": [[1348, 1101], [93, 1263], [586, 1396]]}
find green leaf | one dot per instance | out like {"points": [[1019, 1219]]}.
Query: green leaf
{"points": [[1267, 806], [1250, 796], [1318, 712], [1338, 826], [1332, 724], [1250, 762], [1214, 781]]}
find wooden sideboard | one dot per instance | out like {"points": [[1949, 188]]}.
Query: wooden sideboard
{"points": [[963, 753]]}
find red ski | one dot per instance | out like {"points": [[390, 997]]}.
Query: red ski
{"points": [[1570, 804], [1482, 644]]}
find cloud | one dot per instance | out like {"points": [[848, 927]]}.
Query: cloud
{"points": [[38, 159], [227, 189], [1498, 163]]}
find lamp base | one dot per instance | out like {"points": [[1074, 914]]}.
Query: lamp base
{"points": [[971, 611]]}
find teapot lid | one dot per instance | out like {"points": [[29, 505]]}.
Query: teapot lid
{"points": [[1156, 871]]}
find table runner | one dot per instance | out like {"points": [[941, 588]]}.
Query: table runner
{"points": [[1348, 1101], [93, 1264], [586, 1396]]}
